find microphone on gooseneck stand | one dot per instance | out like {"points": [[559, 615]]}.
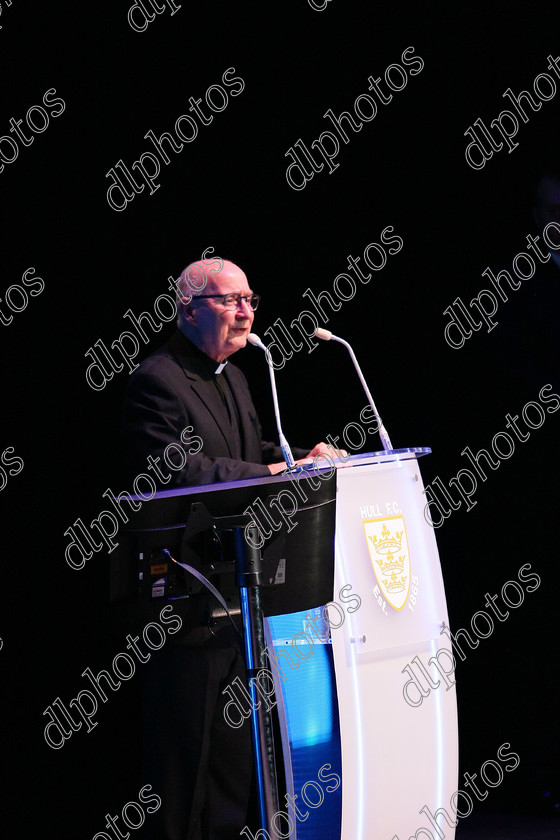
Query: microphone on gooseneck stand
{"points": [[327, 335], [284, 445]]}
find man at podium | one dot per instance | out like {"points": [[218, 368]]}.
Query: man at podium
{"points": [[187, 393], [188, 411]]}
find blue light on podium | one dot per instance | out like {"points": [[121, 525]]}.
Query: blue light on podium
{"points": [[305, 662]]}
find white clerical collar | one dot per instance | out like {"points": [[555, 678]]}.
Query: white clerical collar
{"points": [[220, 367]]}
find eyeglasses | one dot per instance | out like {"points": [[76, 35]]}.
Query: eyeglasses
{"points": [[233, 300]]}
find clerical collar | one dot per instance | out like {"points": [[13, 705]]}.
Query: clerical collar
{"points": [[211, 365]]}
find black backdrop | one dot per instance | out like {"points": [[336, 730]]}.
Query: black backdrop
{"points": [[227, 189]]}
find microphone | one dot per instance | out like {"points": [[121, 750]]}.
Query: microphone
{"points": [[252, 338], [327, 335]]}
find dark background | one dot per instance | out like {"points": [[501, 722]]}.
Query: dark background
{"points": [[227, 189]]}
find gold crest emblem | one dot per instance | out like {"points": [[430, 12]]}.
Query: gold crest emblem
{"points": [[388, 549]]}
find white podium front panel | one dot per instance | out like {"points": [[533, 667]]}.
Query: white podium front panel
{"points": [[399, 750]]}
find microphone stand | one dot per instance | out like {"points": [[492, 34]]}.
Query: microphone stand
{"points": [[252, 338], [327, 335]]}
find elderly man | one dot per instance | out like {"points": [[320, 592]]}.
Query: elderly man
{"points": [[188, 394], [189, 412]]}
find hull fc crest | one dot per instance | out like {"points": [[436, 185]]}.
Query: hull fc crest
{"points": [[388, 550]]}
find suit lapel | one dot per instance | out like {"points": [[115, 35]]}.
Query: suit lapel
{"points": [[206, 391], [202, 386]]}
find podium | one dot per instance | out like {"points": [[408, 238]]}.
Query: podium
{"points": [[354, 666], [398, 713]]}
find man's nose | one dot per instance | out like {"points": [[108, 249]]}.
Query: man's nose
{"points": [[244, 311]]}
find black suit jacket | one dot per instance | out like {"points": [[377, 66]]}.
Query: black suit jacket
{"points": [[171, 398]]}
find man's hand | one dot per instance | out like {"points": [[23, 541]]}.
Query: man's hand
{"points": [[326, 449], [319, 449]]}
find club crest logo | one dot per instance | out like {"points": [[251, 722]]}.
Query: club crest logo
{"points": [[388, 549]]}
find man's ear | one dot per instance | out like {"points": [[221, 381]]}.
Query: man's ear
{"points": [[188, 309]]}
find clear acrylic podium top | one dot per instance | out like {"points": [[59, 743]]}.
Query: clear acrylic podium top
{"points": [[381, 457]]}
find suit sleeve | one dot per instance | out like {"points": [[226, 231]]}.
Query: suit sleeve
{"points": [[159, 438]]}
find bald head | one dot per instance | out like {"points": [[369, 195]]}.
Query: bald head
{"points": [[204, 277]]}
